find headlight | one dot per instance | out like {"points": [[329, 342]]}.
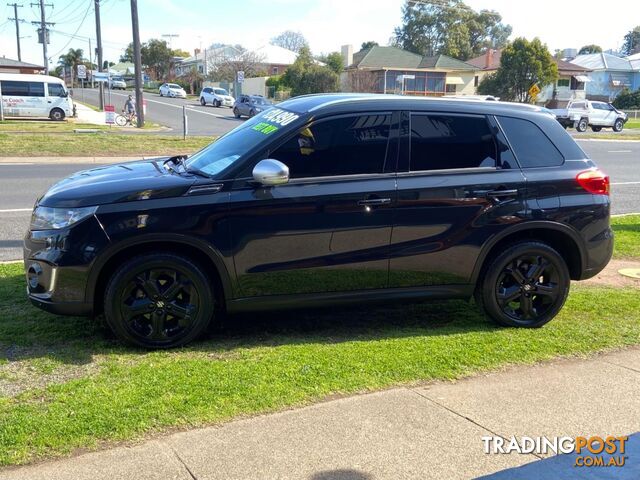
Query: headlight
{"points": [[47, 218]]}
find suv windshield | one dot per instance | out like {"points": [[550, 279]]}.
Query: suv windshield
{"points": [[220, 91], [259, 101], [225, 151]]}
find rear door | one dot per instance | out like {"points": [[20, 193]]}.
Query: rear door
{"points": [[329, 228], [457, 186]]}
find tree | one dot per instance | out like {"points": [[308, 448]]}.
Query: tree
{"points": [[631, 42], [592, 48], [305, 76], [71, 60], [627, 100], [368, 45], [334, 61], [155, 55], [449, 27], [106, 64], [226, 69], [523, 63], [290, 40]]}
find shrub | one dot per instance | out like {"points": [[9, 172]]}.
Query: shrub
{"points": [[628, 100]]}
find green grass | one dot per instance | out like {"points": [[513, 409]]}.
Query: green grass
{"points": [[96, 144], [627, 236], [45, 126], [79, 388], [632, 123]]}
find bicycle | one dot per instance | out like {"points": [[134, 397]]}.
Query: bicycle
{"points": [[125, 118]]}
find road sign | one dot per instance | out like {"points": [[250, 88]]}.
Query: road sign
{"points": [[110, 114], [240, 76], [101, 76], [534, 90], [82, 72]]}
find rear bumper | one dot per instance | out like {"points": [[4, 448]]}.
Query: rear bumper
{"points": [[599, 253]]}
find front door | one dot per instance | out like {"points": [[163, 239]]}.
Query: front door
{"points": [[329, 228], [455, 190]]}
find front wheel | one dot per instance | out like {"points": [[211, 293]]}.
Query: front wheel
{"points": [[618, 125], [582, 125], [216, 103], [524, 286], [159, 300], [236, 112], [202, 101], [56, 115]]}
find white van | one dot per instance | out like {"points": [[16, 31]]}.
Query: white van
{"points": [[34, 96]]}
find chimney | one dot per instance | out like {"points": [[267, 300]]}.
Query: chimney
{"points": [[488, 62], [347, 55], [196, 52]]}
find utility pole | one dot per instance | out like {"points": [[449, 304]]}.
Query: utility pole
{"points": [[91, 61], [17, 20], [137, 60], [99, 50], [43, 32]]}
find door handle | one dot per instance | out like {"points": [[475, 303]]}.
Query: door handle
{"points": [[374, 202], [502, 193]]}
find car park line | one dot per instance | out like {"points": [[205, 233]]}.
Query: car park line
{"points": [[14, 210]]}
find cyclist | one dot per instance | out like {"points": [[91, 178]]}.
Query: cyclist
{"points": [[129, 108]]}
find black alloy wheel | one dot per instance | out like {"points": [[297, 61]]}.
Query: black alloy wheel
{"points": [[525, 286], [159, 301]]}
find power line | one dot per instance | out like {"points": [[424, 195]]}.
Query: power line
{"points": [[74, 33]]}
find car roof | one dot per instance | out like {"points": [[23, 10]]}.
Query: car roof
{"points": [[346, 102]]}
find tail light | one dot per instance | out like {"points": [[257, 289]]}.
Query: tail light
{"points": [[594, 181]]}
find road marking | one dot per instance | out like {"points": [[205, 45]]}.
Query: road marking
{"points": [[619, 151], [13, 210], [16, 163], [625, 183]]}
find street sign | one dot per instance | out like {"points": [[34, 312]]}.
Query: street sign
{"points": [[82, 72], [109, 114], [534, 90], [240, 76], [101, 76]]}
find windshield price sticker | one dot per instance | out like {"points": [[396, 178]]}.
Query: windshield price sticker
{"points": [[264, 127], [280, 117]]}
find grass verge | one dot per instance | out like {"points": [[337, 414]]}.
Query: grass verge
{"points": [[258, 363], [627, 236], [96, 144]]}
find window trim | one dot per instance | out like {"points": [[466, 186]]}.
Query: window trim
{"points": [[411, 113], [388, 153], [515, 155]]}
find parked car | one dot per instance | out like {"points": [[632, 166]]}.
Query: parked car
{"points": [[218, 97], [172, 90], [598, 115], [30, 95], [117, 83], [250, 105], [326, 200]]}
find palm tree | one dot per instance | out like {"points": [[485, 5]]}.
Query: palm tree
{"points": [[71, 60]]}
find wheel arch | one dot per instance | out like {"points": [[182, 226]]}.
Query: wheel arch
{"points": [[198, 251], [565, 240]]}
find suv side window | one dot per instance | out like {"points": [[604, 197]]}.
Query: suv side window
{"points": [[446, 141], [349, 145], [530, 145]]}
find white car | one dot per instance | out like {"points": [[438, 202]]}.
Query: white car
{"points": [[218, 97], [597, 115], [117, 83], [172, 90]]}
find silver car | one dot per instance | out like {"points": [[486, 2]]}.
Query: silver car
{"points": [[250, 105]]}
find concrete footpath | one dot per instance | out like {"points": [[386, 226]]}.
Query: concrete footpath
{"points": [[426, 432]]}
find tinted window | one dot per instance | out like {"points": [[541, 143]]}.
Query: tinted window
{"points": [[55, 89], [577, 105], [36, 89], [531, 146], [340, 146], [441, 142], [12, 88]]}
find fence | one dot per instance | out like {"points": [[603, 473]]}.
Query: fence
{"points": [[635, 114]]}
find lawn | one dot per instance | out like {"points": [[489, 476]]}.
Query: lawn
{"points": [[627, 236]]}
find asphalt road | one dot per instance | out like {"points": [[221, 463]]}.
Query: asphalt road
{"points": [[209, 121], [21, 184]]}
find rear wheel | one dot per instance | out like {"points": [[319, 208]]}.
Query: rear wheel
{"points": [[618, 125], [524, 286], [159, 300], [596, 129], [56, 114], [582, 125]]}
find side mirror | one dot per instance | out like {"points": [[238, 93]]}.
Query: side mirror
{"points": [[271, 172]]}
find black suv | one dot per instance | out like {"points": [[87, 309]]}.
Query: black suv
{"points": [[328, 199]]}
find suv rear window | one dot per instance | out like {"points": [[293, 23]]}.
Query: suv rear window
{"points": [[440, 142], [530, 145]]}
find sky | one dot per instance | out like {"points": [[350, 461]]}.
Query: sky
{"points": [[327, 24]]}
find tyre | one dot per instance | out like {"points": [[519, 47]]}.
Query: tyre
{"points": [[56, 114], [202, 102], [216, 103], [582, 125], [236, 112], [121, 120], [596, 129], [618, 125], [524, 286], [252, 113], [160, 93], [159, 300]]}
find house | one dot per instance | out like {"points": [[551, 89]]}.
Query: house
{"points": [[203, 61], [8, 65], [570, 84], [123, 68], [274, 59], [393, 70], [609, 75]]}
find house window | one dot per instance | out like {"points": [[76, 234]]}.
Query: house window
{"points": [[476, 81], [563, 82], [200, 68], [274, 71], [450, 88], [576, 85]]}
